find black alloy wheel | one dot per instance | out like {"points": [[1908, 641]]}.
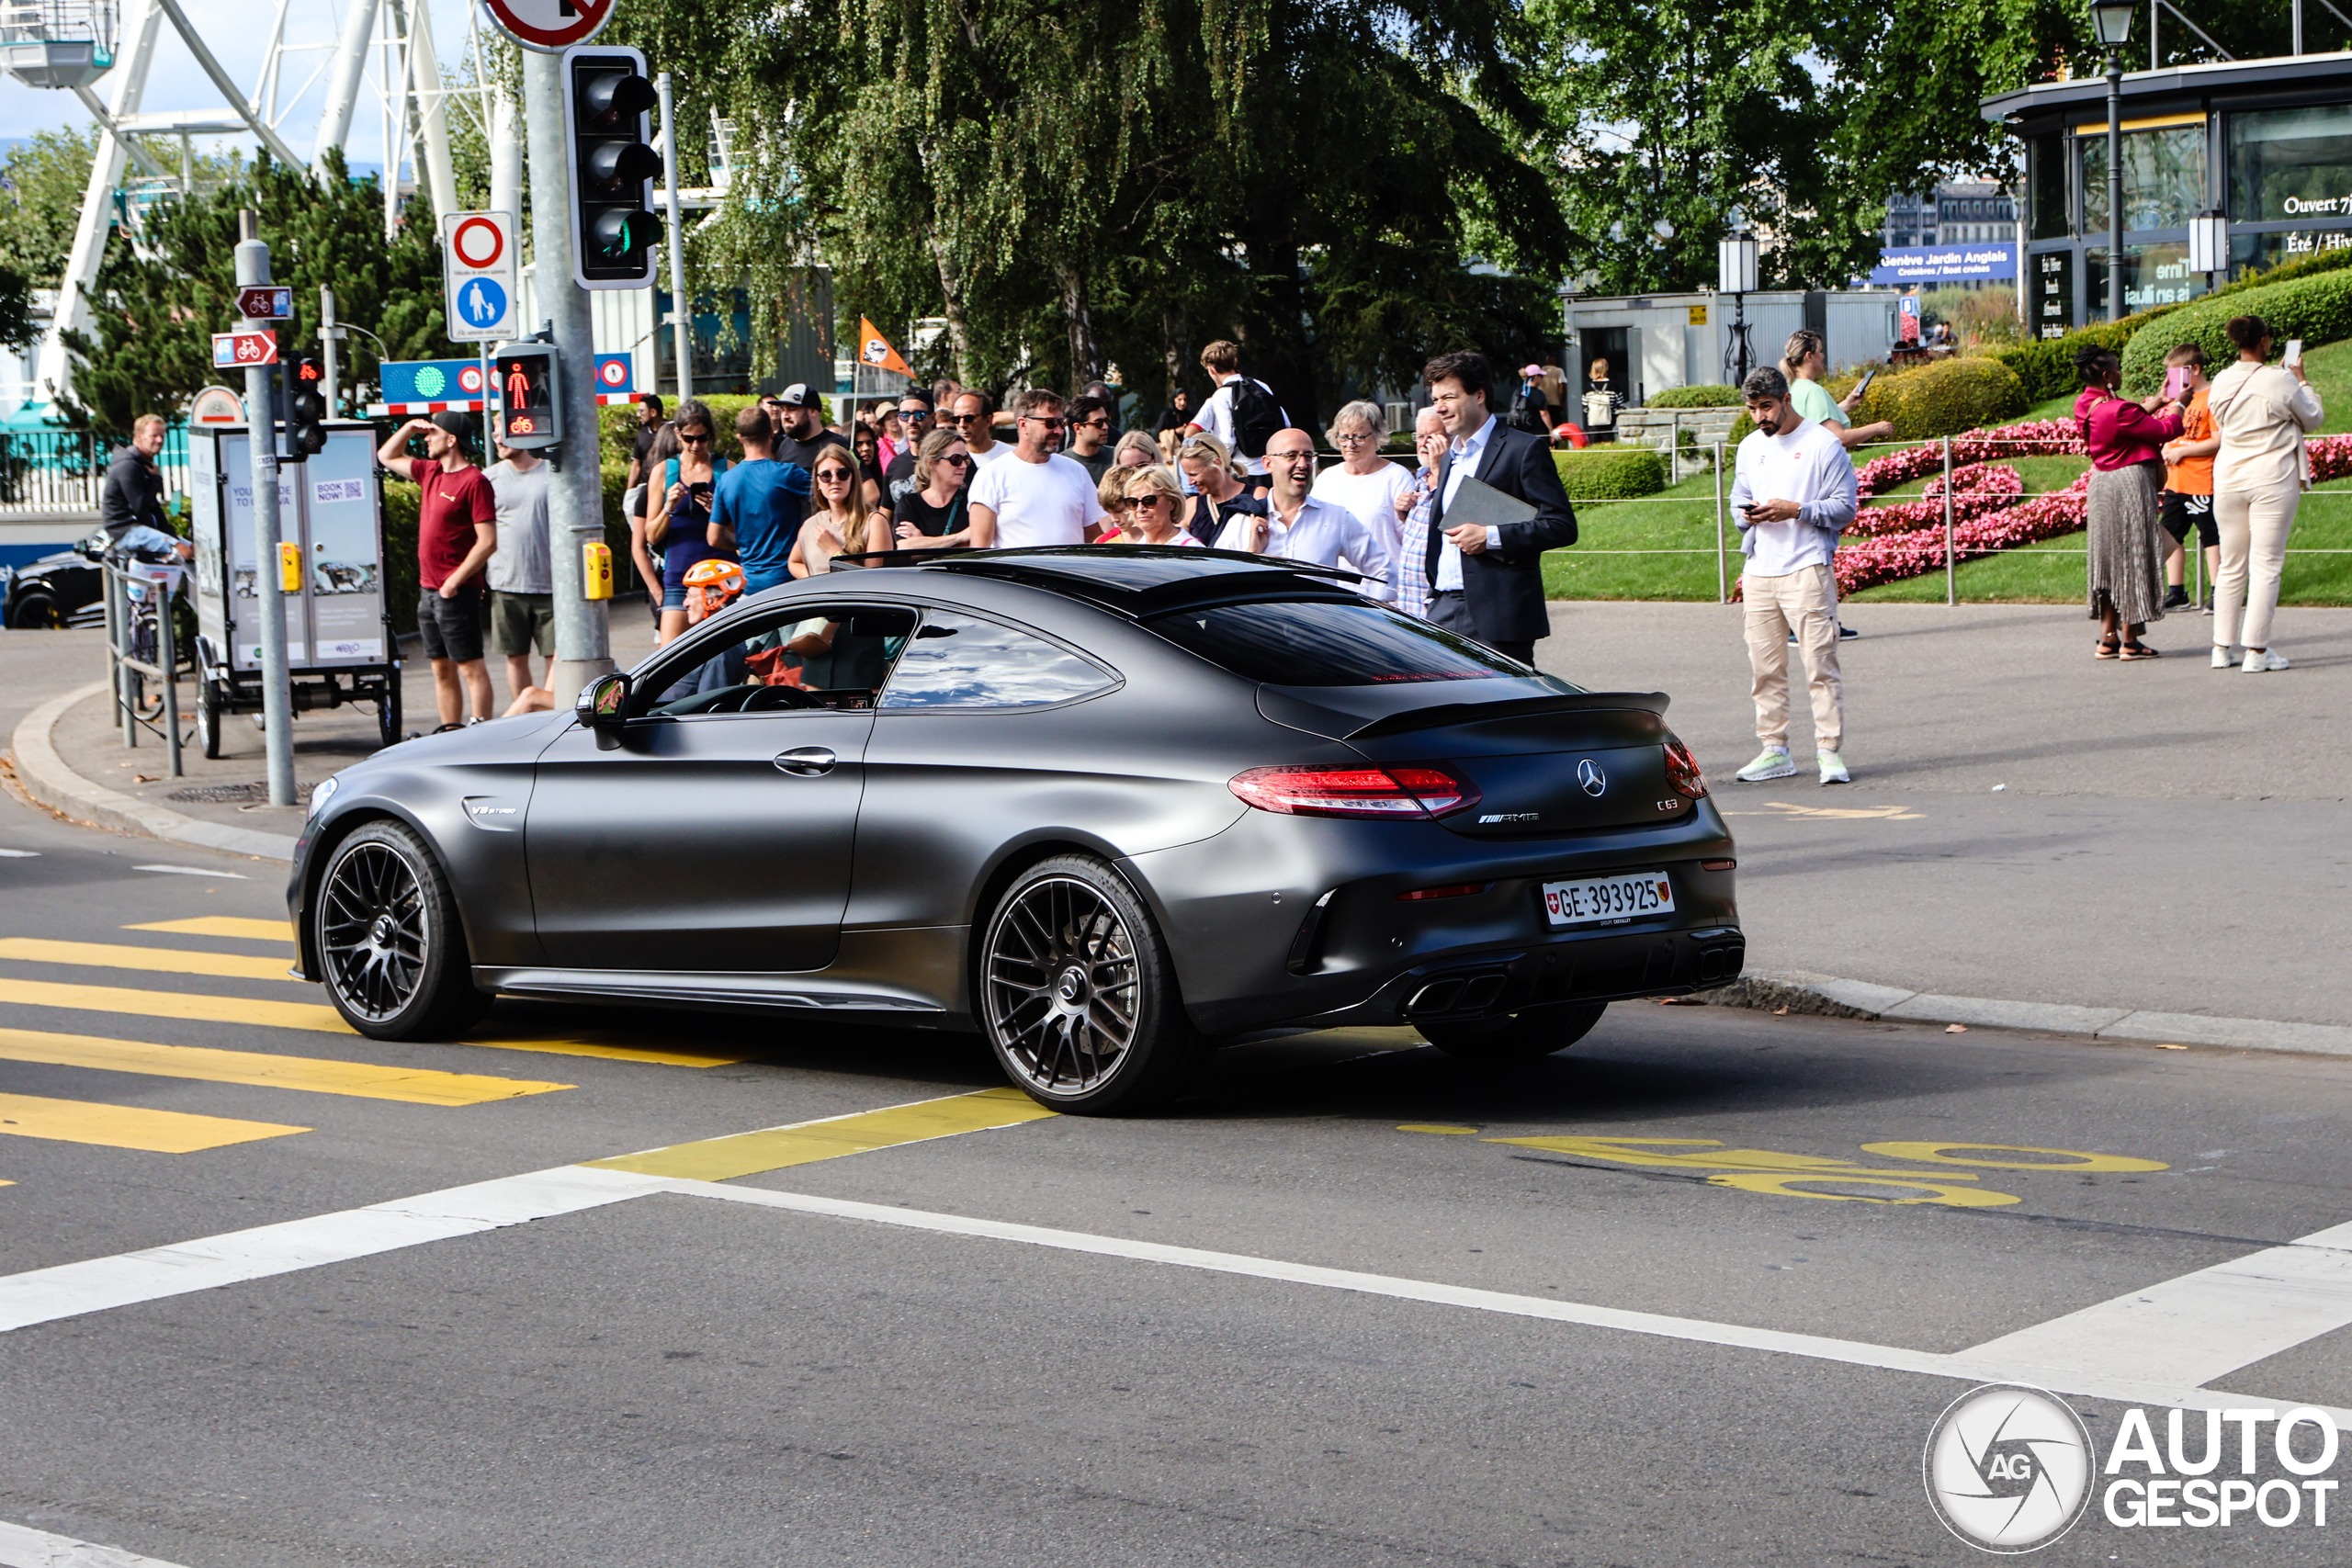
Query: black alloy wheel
{"points": [[35, 613], [1514, 1037], [1078, 994], [390, 948]]}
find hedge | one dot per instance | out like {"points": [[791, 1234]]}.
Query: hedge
{"points": [[2317, 309], [1705, 395], [1611, 473], [1944, 396]]}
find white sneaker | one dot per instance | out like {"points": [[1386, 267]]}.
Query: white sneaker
{"points": [[2224, 656], [2259, 659], [1833, 768], [1770, 763]]}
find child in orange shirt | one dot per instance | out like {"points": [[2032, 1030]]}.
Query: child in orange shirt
{"points": [[2187, 497]]}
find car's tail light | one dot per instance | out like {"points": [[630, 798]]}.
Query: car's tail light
{"points": [[1682, 771], [1458, 890], [1418, 790]]}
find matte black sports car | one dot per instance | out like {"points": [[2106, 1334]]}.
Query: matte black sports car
{"points": [[63, 588], [1105, 806]]}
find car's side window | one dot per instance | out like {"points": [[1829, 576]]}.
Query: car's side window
{"points": [[962, 662], [815, 656]]}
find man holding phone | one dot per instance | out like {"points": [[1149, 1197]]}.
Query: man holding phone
{"points": [[1792, 493]]}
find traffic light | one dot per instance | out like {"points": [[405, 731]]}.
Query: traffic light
{"points": [[306, 410], [530, 389], [605, 96]]}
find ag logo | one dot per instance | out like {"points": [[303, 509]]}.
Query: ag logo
{"points": [[2008, 1468]]}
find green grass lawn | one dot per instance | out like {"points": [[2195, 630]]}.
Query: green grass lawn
{"points": [[1682, 520]]}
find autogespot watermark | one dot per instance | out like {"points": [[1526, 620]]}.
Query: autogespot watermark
{"points": [[2010, 1469]]}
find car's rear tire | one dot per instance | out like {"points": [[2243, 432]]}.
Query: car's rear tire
{"points": [[1514, 1037], [35, 612], [392, 949], [1077, 995]]}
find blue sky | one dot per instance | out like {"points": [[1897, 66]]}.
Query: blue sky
{"points": [[237, 32]]}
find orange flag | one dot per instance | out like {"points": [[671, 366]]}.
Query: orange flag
{"points": [[873, 349]]}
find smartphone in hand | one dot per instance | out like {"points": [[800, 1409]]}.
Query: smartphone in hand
{"points": [[2176, 383], [2294, 353]]}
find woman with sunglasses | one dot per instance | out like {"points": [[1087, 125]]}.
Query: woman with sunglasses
{"points": [[678, 523], [932, 517], [1363, 481], [1152, 496], [838, 520], [1219, 494]]}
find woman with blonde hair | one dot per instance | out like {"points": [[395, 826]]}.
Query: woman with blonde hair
{"points": [[1149, 498], [932, 516], [1137, 449], [1218, 492], [837, 523]]}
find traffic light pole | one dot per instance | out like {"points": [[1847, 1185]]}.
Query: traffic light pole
{"points": [[269, 598], [575, 491]]}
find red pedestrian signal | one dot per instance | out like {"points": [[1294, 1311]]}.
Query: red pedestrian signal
{"points": [[530, 389]]}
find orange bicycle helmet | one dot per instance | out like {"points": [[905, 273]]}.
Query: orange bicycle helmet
{"points": [[712, 586]]}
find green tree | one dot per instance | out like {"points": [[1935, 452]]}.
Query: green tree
{"points": [[41, 182], [155, 306]]}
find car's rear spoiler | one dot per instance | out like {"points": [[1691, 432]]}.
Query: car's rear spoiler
{"points": [[1328, 711]]}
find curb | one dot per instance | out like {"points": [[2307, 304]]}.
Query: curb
{"points": [[1826, 995], [49, 781]]}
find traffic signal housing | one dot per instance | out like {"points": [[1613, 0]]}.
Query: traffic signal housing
{"points": [[306, 408], [530, 391], [605, 96]]}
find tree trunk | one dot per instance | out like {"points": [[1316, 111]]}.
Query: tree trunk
{"points": [[951, 294], [1176, 331], [1085, 358]]}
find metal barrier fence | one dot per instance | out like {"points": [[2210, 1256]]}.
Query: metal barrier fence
{"points": [[142, 647], [52, 471], [1722, 550]]}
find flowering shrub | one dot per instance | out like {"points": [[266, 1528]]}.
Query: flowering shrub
{"points": [[1891, 557], [2331, 457], [1976, 490], [2036, 438]]}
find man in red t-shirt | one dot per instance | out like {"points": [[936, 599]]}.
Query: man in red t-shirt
{"points": [[456, 534]]}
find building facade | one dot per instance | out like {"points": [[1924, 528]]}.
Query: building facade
{"points": [[2267, 143], [1957, 212]]}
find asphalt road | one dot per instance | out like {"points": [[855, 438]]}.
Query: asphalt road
{"points": [[1678, 1362]]}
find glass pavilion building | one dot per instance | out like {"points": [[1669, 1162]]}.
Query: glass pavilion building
{"points": [[2265, 142]]}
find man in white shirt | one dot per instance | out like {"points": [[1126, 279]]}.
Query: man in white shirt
{"points": [[1036, 496], [975, 415], [1792, 495], [1297, 527], [1222, 360]]}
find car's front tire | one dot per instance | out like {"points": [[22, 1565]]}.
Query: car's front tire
{"points": [[1515, 1037], [392, 949], [1078, 994]]}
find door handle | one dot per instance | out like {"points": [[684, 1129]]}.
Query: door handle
{"points": [[809, 762]]}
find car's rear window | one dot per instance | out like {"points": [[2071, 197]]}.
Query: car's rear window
{"points": [[1326, 643]]}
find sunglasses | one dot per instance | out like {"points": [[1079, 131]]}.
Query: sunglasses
{"points": [[1050, 423], [965, 418], [693, 438], [832, 476], [960, 460], [1095, 424], [1153, 500]]}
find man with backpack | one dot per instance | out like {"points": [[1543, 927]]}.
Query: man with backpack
{"points": [[1242, 412]]}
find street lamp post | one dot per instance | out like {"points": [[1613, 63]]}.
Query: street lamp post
{"points": [[1736, 275], [2111, 20]]}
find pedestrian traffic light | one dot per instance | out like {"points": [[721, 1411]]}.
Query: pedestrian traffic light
{"points": [[605, 96], [530, 389], [306, 410]]}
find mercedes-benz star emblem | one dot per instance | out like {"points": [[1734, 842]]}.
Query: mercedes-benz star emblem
{"points": [[1589, 774]]}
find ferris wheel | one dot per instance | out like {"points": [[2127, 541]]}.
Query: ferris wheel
{"points": [[379, 48]]}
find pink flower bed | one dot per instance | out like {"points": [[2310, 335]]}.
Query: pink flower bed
{"points": [[2042, 438], [1904, 540], [2331, 457], [1976, 490], [1891, 557]]}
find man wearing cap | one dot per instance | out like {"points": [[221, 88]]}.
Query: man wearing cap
{"points": [[457, 533], [800, 426]]}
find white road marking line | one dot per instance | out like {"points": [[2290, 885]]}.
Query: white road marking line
{"points": [[19, 854], [21, 1547], [195, 871], [69, 1290], [1969, 1365], [2201, 1325]]}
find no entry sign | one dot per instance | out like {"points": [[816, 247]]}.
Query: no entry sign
{"points": [[551, 25]]}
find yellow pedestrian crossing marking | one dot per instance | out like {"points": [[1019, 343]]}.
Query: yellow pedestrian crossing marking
{"points": [[223, 925], [364, 1080], [162, 960], [314, 1016], [128, 1127], [749, 1154]]}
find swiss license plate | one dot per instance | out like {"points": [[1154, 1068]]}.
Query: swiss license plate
{"points": [[1591, 900]]}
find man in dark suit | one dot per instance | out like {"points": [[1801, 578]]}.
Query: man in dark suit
{"points": [[1488, 583]]}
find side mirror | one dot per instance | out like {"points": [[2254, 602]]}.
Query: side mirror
{"points": [[603, 703]]}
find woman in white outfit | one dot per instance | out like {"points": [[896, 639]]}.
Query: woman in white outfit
{"points": [[1365, 482], [2260, 412]]}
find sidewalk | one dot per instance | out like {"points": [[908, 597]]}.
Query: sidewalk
{"points": [[2027, 823]]}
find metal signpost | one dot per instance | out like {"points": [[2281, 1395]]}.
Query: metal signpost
{"points": [[277, 703]]}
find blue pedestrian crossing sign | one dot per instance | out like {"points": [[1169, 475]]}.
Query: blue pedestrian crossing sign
{"points": [[478, 259]]}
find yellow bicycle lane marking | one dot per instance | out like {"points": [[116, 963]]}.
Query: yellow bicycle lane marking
{"points": [[1846, 813], [804, 1143], [1789, 1176]]}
